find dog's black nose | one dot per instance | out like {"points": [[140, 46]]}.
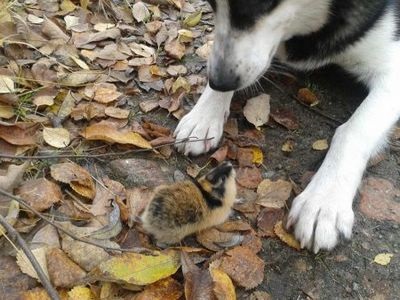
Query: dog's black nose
{"points": [[224, 83]]}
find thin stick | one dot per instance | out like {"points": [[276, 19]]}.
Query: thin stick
{"points": [[188, 140], [21, 242], [67, 232]]}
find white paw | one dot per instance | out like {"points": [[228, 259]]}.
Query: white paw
{"points": [[320, 215], [206, 126], [204, 122]]}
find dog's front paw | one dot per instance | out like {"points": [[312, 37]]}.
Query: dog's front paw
{"points": [[320, 215], [207, 126]]}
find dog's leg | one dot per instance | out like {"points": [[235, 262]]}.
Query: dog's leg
{"points": [[324, 210], [205, 120]]}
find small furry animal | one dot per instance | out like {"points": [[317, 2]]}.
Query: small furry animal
{"points": [[186, 207]]}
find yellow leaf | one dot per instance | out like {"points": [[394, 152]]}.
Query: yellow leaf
{"points": [[285, 236], [67, 6], [6, 85], [193, 19], [84, 3], [258, 157], [383, 259], [185, 36], [26, 266], [56, 137], [320, 145], [6, 111], [104, 132], [223, 286], [138, 269], [81, 293], [181, 82], [288, 146]]}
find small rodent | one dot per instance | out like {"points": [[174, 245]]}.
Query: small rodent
{"points": [[186, 207]]}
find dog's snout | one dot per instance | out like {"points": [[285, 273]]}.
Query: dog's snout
{"points": [[224, 81]]}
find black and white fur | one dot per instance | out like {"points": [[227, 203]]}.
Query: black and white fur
{"points": [[361, 36]]}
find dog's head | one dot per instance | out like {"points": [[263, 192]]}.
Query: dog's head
{"points": [[248, 33]]}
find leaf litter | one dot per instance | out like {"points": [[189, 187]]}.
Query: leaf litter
{"points": [[90, 74]]}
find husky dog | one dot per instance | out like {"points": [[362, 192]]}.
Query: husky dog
{"points": [[361, 36]]}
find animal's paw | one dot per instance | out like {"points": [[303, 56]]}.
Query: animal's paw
{"points": [[320, 215], [202, 123]]}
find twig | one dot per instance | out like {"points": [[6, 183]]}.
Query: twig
{"points": [[188, 140], [42, 276], [67, 232]]}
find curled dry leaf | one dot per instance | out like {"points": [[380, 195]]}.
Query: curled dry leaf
{"points": [[40, 193], [242, 265], [138, 269], [273, 194], [320, 145], [56, 137], [257, 110], [285, 236], [77, 177], [104, 131], [306, 96]]}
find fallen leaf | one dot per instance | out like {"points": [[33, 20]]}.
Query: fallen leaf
{"points": [[71, 273], [11, 178], [116, 112], [185, 36], [223, 286], [175, 70], [220, 154], [193, 19], [383, 259], [56, 137], [149, 105], [104, 131], [102, 92], [242, 265], [267, 219], [22, 133], [47, 236], [67, 6], [164, 289], [6, 85], [320, 145], [288, 146], [306, 96], [79, 78], [81, 292], [26, 266], [140, 12], [286, 237], [77, 177], [180, 83], [257, 110], [205, 50], [40, 193], [52, 30], [138, 269], [88, 111], [6, 111], [248, 177], [285, 118], [215, 240], [273, 194], [175, 49]]}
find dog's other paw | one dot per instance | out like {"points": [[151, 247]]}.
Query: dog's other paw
{"points": [[320, 215], [205, 121]]}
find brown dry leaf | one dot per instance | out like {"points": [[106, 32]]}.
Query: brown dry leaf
{"points": [[198, 282], [145, 75], [223, 286], [140, 12], [215, 240], [220, 154], [102, 92], [242, 265], [40, 193], [247, 157], [86, 38], [79, 78], [26, 266], [52, 30], [6, 111], [285, 118], [193, 170], [267, 219], [63, 271], [165, 289], [88, 111], [257, 110], [77, 177], [274, 194], [248, 177], [205, 50], [117, 113], [6, 85], [19, 133], [149, 105], [47, 236], [175, 70], [306, 96], [45, 97], [154, 26], [320, 145], [105, 131], [175, 49], [285, 236], [56, 137]]}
